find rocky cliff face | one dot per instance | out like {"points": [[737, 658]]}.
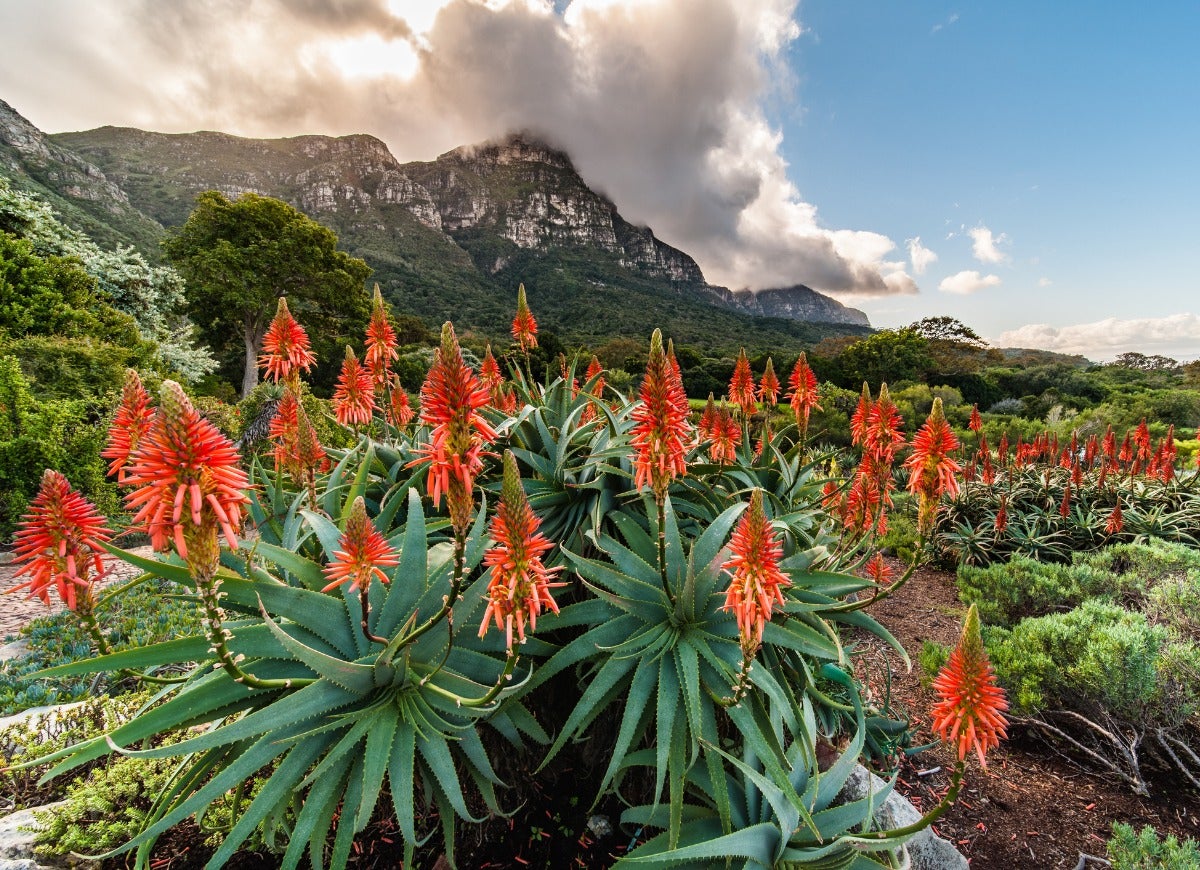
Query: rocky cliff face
{"points": [[794, 303], [479, 208], [73, 186]]}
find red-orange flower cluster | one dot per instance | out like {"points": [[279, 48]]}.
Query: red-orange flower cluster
{"points": [[400, 412], [1115, 523], [662, 432], [285, 346], [595, 377], [362, 552], [188, 480], [58, 542], [381, 343], [489, 374], [756, 582], [524, 326], [741, 385], [297, 448], [725, 435], [970, 711], [805, 393], [520, 583], [354, 396], [450, 401], [879, 571], [130, 424], [930, 466], [768, 387]]}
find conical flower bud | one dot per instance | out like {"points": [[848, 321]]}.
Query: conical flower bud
{"points": [[970, 711], [130, 424]]}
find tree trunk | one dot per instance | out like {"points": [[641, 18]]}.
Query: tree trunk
{"points": [[252, 338]]}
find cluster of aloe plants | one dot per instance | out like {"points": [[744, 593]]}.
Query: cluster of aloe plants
{"points": [[350, 644], [1048, 500]]}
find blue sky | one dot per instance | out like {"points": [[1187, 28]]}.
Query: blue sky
{"points": [[1042, 153], [1071, 128]]}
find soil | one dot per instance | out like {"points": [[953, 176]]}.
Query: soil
{"points": [[1032, 808]]}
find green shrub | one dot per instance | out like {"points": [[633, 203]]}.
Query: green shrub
{"points": [[1130, 850], [1135, 569], [1007, 592], [1096, 657], [901, 536], [932, 658]]}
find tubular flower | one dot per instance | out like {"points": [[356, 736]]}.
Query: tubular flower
{"points": [[931, 470], [297, 449], [756, 582], [362, 552], [662, 432], [885, 429], [188, 482], [489, 375], [450, 401], [708, 417], [1001, 521], [858, 420], [520, 583], [805, 393], [285, 346], [524, 326], [381, 343], [879, 571], [768, 387], [595, 377], [726, 435], [970, 710], [741, 385], [130, 424], [1064, 509], [976, 423], [58, 542], [1115, 522], [400, 412], [354, 397]]}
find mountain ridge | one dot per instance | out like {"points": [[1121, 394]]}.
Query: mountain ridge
{"points": [[448, 238]]}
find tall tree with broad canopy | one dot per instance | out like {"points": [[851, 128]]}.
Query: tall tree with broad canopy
{"points": [[239, 256]]}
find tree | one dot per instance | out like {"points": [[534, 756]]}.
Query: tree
{"points": [[888, 355], [947, 329], [1141, 362], [238, 257]]}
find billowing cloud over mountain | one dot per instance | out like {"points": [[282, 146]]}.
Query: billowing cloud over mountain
{"points": [[660, 102]]}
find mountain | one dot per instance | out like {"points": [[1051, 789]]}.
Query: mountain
{"points": [[448, 238], [76, 189]]}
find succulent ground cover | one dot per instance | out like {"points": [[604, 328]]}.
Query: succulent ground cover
{"points": [[404, 638]]}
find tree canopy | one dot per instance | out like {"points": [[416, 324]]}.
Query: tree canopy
{"points": [[239, 256]]}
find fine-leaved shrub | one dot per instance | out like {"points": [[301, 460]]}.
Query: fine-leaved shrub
{"points": [[1145, 850]]}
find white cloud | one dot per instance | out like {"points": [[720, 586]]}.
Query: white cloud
{"points": [[920, 256], [967, 282], [1044, 282], [944, 24], [985, 246], [1177, 333], [659, 102]]}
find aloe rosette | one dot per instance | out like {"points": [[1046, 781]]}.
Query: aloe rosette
{"points": [[345, 713]]}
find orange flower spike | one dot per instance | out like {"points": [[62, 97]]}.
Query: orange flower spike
{"points": [[450, 401], [130, 424], [1001, 521], [741, 385], [768, 387], [976, 424], [400, 411], [381, 343], [726, 436], [1115, 522], [489, 372], [57, 543], [970, 711], [187, 479], [520, 583], [524, 326], [756, 581], [708, 417], [662, 432], [1064, 509], [931, 469], [285, 346], [879, 571], [362, 553], [858, 420], [885, 429], [354, 396], [285, 432], [805, 393], [595, 371]]}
